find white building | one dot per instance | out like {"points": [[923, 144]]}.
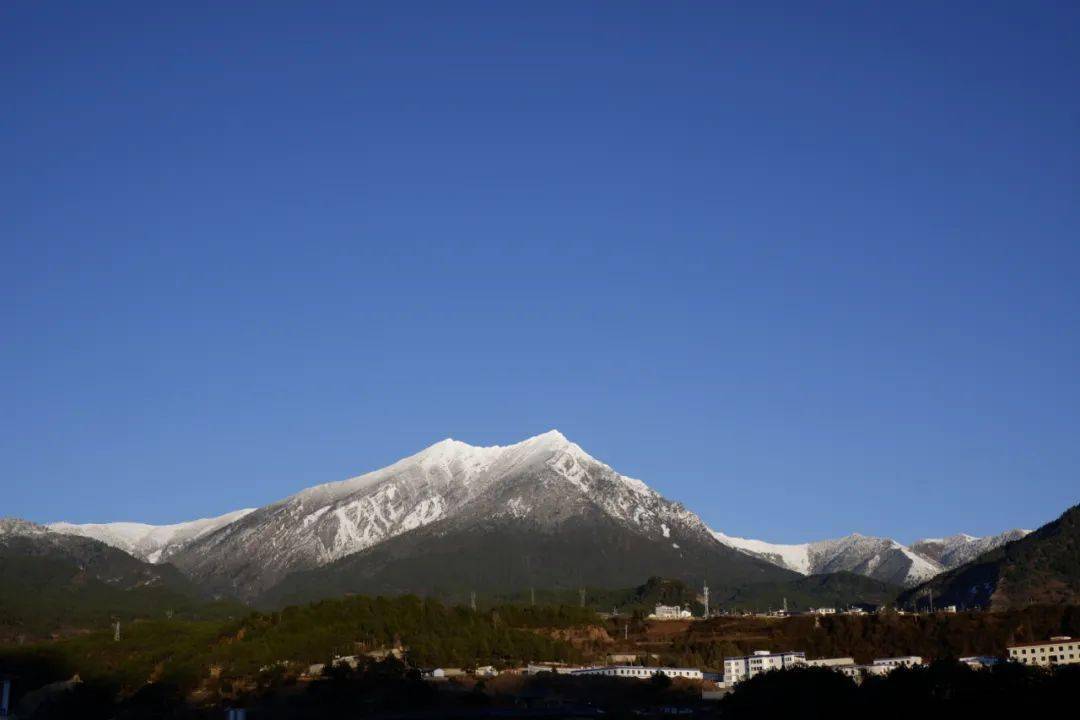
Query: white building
{"points": [[669, 612], [557, 668], [640, 673], [895, 662], [737, 669], [822, 611], [858, 672], [831, 662], [978, 662], [1058, 650]]}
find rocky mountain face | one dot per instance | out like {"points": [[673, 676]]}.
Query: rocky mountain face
{"points": [[874, 557], [513, 496], [553, 518], [152, 543], [544, 486], [1041, 568], [956, 550], [878, 558]]}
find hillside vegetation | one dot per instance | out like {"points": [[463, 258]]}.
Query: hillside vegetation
{"points": [[181, 652], [1041, 568], [863, 637], [57, 584]]}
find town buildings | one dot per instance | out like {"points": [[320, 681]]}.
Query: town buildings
{"points": [[1058, 650], [669, 612], [895, 662], [830, 662], [641, 673], [552, 667], [737, 669]]}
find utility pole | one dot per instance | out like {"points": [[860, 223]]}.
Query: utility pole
{"points": [[626, 631], [532, 596], [472, 600], [116, 631], [581, 593]]}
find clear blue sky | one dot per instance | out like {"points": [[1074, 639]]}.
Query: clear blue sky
{"points": [[808, 268]]}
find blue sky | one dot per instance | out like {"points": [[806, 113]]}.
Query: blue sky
{"points": [[808, 268]]}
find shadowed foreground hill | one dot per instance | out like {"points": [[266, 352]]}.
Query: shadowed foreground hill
{"points": [[838, 590], [51, 583], [1042, 568]]}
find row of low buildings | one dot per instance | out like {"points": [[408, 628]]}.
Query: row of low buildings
{"points": [[639, 672], [1058, 650], [737, 669], [676, 612]]}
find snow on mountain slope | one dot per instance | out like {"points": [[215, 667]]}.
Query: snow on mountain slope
{"points": [[879, 558], [792, 557], [956, 550], [542, 481], [153, 543]]}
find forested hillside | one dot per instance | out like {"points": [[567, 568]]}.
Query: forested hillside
{"points": [[1041, 568]]}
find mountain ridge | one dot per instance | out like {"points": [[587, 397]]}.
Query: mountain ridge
{"points": [[1042, 567], [250, 550], [543, 482], [52, 582]]}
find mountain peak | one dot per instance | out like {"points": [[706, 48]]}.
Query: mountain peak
{"points": [[551, 436]]}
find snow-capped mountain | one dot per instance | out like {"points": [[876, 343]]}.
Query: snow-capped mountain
{"points": [[543, 483], [153, 543], [956, 550], [1039, 568], [879, 558]]}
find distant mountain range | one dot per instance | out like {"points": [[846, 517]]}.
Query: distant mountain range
{"points": [[1041, 568], [875, 557], [51, 581], [455, 517], [153, 543]]}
